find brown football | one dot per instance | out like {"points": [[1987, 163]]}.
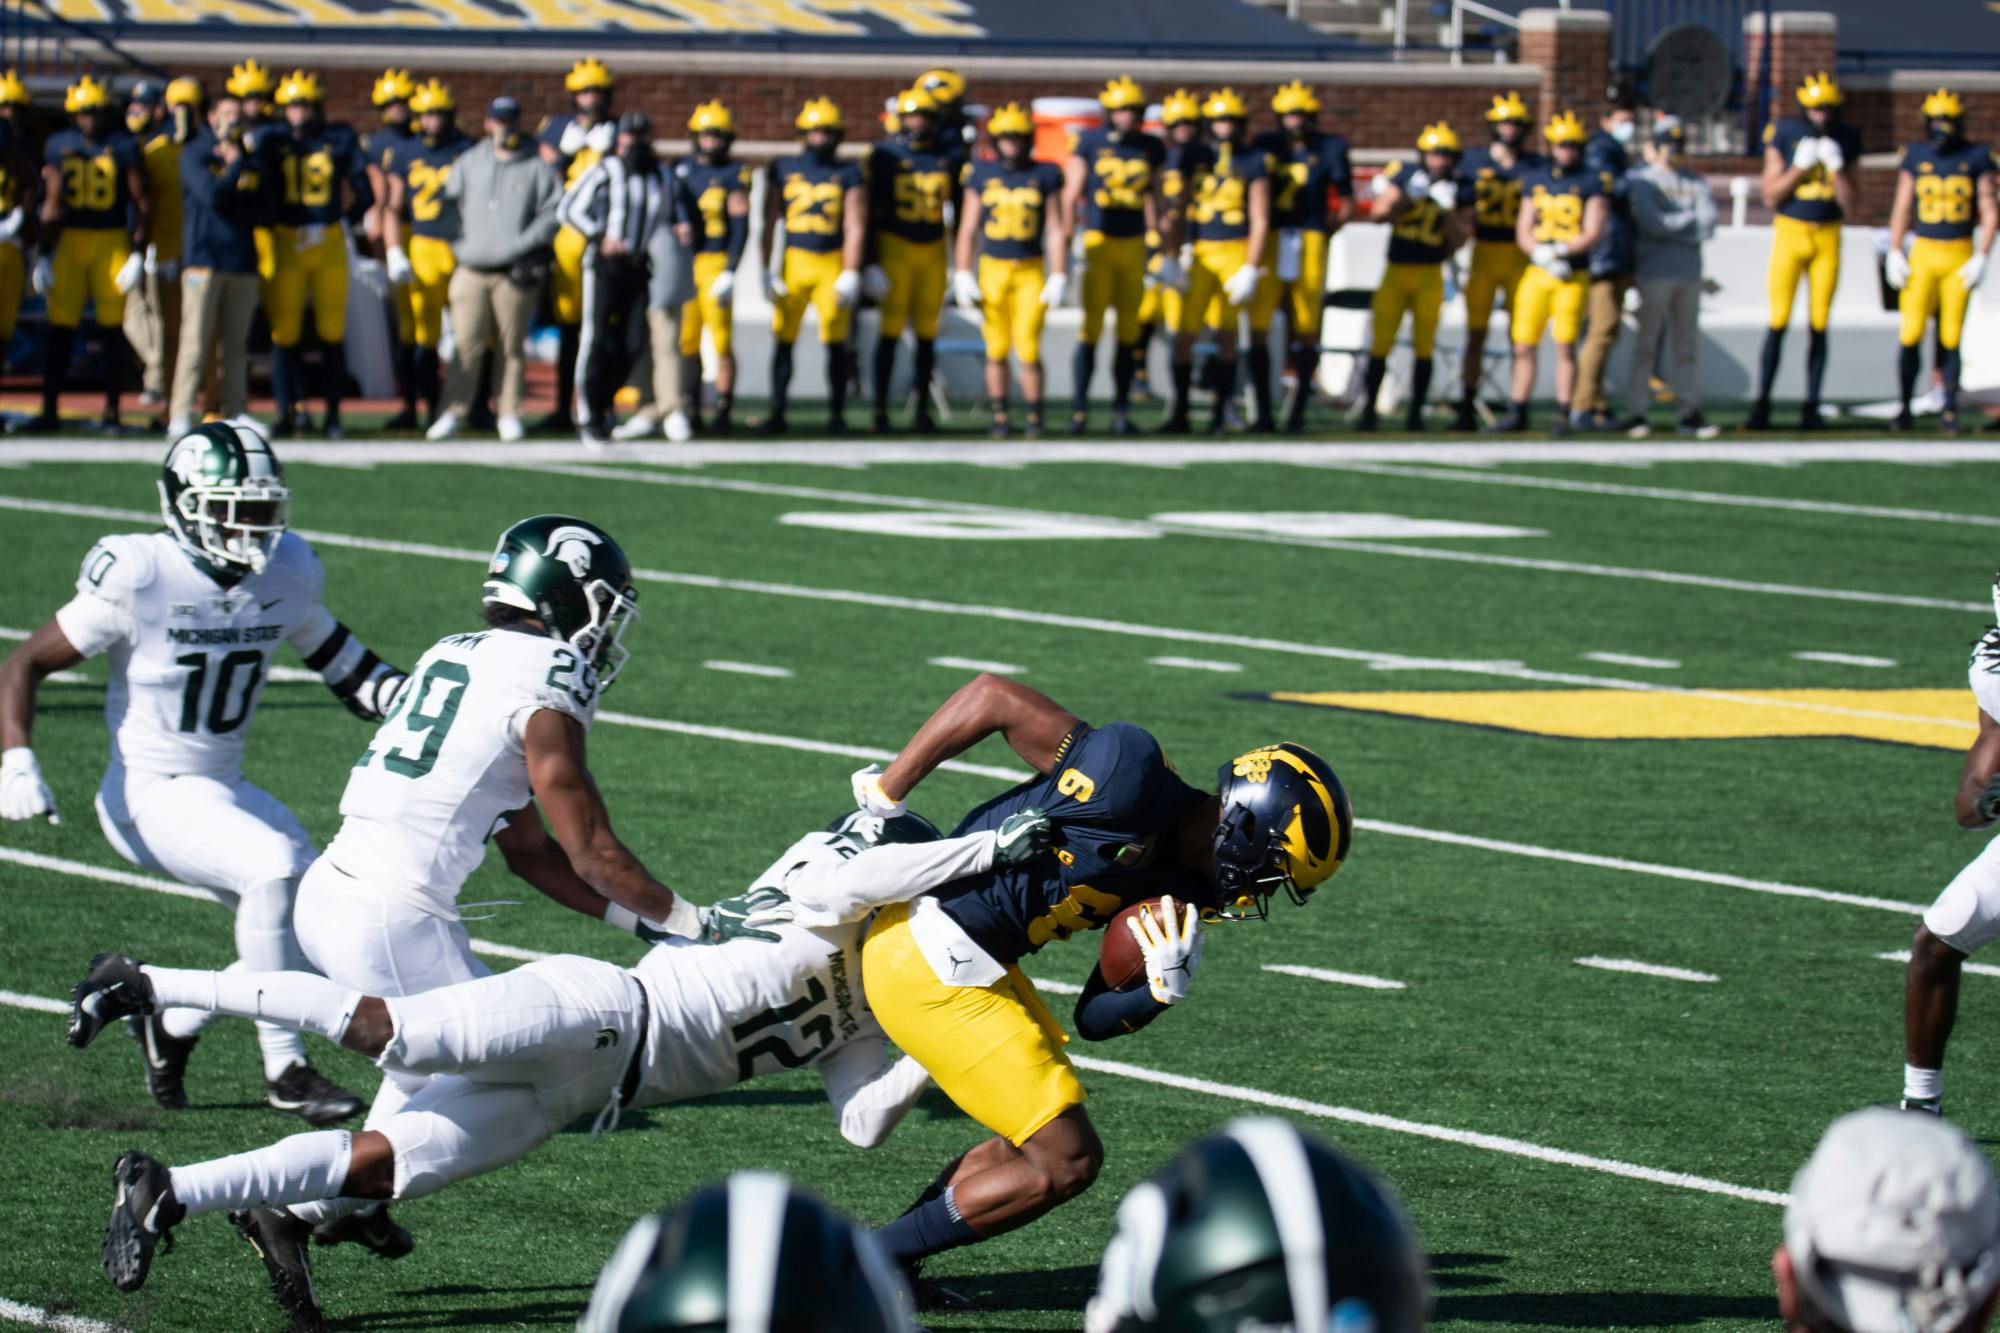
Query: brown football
{"points": [[1119, 957]]}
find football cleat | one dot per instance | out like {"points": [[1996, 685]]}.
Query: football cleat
{"points": [[1464, 417], [144, 1212], [115, 988], [1928, 1105], [280, 1241], [371, 1228], [1810, 418], [312, 1096], [164, 1057], [1759, 418], [1903, 421], [1513, 423]]}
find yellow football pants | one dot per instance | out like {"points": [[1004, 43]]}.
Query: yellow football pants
{"points": [[1214, 263], [1497, 267], [809, 281], [1114, 280], [996, 1050], [1809, 250], [426, 295], [12, 267], [87, 261], [1303, 298], [1934, 288], [566, 277], [1541, 297], [316, 272], [916, 272], [1413, 289], [1010, 292], [705, 312]]}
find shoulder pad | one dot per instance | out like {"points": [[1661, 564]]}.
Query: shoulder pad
{"points": [[296, 561], [119, 567]]}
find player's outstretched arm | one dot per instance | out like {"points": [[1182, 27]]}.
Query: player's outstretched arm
{"points": [[1103, 1013], [1033, 724], [532, 855], [365, 685], [23, 793], [575, 810], [1978, 800]]}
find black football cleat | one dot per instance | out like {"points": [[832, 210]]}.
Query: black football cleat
{"points": [[1903, 421], [405, 420], [371, 1228], [932, 1296], [1368, 420], [1949, 424], [1463, 417], [115, 988], [280, 1241], [1515, 422], [1560, 428], [1810, 418], [923, 423], [164, 1057], [144, 1212], [1079, 423], [312, 1096], [1122, 427], [1759, 418]]}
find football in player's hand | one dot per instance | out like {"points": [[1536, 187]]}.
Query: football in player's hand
{"points": [[1119, 957]]}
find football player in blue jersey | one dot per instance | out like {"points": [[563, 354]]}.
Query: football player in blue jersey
{"points": [[1944, 193], [824, 209], [1429, 206], [913, 175], [1011, 217], [417, 208], [720, 187], [1495, 173], [1312, 170]]}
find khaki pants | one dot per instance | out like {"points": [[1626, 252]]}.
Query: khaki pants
{"points": [[216, 310], [488, 309], [661, 394], [153, 327], [1607, 308]]}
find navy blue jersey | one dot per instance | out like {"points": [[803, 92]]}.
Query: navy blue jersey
{"points": [[1417, 236], [1947, 187], [310, 169], [1119, 172], [1813, 200], [1558, 198], [1219, 177], [710, 185], [95, 191], [1613, 253], [814, 195], [1306, 170], [1015, 203], [908, 186], [1113, 799], [380, 146], [424, 167], [1174, 173], [1496, 191]]}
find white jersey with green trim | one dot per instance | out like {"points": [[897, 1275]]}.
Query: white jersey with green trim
{"points": [[448, 764]]}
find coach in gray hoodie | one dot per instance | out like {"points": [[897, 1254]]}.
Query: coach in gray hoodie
{"points": [[1673, 213], [506, 197]]}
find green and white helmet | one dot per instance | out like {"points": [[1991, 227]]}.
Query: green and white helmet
{"points": [[1261, 1226], [753, 1254], [223, 496], [574, 578]]}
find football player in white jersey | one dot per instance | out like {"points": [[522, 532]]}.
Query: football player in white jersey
{"points": [[512, 1058], [189, 618]]}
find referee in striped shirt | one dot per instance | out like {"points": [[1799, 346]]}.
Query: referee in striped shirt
{"points": [[617, 207]]}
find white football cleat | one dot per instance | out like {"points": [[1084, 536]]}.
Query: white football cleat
{"points": [[678, 428], [444, 428], [638, 427], [178, 427], [511, 430]]}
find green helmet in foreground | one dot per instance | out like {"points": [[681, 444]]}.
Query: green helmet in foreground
{"points": [[574, 578], [1261, 1226], [223, 496], [751, 1253]]}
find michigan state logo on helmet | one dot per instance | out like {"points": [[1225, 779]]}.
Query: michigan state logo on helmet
{"points": [[1261, 1227], [574, 578], [872, 830], [1285, 822], [223, 496], [753, 1252]]}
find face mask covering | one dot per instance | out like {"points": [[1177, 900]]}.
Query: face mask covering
{"points": [[638, 158], [1623, 131], [507, 139]]}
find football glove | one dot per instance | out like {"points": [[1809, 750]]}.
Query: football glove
{"points": [[152, 264], [1444, 194], [1022, 837], [748, 916], [775, 288], [875, 282], [10, 223], [1972, 270], [870, 799], [1830, 155], [1416, 184], [23, 794], [398, 264], [723, 290], [847, 288], [1807, 153], [682, 921], [1549, 257], [1896, 268], [1988, 804], [129, 272], [1171, 273], [1055, 290], [1242, 284], [45, 275], [374, 697], [1172, 943], [965, 290]]}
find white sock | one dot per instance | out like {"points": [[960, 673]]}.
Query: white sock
{"points": [[1923, 1084], [299, 1001], [293, 1170], [264, 943]]}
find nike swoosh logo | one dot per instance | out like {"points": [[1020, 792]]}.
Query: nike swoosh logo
{"points": [[266, 606]]}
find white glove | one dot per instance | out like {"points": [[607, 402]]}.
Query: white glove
{"points": [[1172, 273], [45, 275], [1549, 257], [152, 260], [1241, 285], [398, 263], [310, 235], [1971, 271], [723, 290], [1379, 184], [23, 794], [1807, 153], [1830, 155], [1172, 943], [875, 282], [775, 289], [10, 223], [847, 288], [682, 919], [870, 799], [1896, 266], [129, 272], [1444, 194], [1055, 290], [965, 290]]}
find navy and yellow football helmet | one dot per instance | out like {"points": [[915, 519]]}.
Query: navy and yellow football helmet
{"points": [[1285, 823]]}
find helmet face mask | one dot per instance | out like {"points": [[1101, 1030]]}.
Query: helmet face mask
{"points": [[1284, 823], [224, 497]]}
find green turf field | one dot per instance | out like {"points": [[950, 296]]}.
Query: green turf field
{"points": [[1580, 1147]]}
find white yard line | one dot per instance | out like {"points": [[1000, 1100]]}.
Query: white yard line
{"points": [[1646, 969], [1846, 659], [1979, 969], [1056, 987], [1195, 664], [1360, 979], [979, 664], [1630, 660], [40, 1005], [14, 1312], [749, 669]]}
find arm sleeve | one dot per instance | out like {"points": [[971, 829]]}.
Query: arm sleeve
{"points": [[357, 180], [739, 236], [1648, 212], [833, 893], [579, 209], [869, 1095], [358, 678], [1103, 1013]]}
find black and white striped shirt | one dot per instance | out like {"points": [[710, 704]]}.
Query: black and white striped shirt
{"points": [[612, 200]]}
